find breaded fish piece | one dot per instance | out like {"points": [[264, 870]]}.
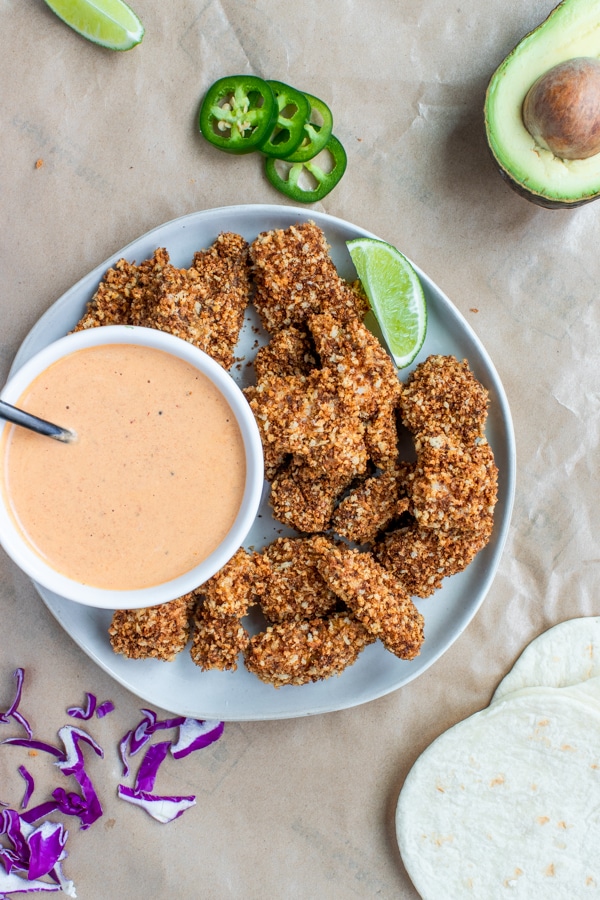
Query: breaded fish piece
{"points": [[422, 557], [217, 640], [364, 370], [156, 632], [306, 501], [303, 652], [295, 276], [366, 376], [453, 487], [289, 352], [372, 505], [236, 586], [377, 599], [294, 588], [205, 304], [442, 396], [126, 292], [305, 416]]}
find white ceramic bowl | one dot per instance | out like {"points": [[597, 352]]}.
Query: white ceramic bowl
{"points": [[33, 565]]}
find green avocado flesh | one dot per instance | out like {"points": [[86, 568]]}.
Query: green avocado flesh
{"points": [[571, 30]]}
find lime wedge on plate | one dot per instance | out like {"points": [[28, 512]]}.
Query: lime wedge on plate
{"points": [[110, 23], [395, 294]]}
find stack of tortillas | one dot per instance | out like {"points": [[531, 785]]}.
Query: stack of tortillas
{"points": [[507, 802]]}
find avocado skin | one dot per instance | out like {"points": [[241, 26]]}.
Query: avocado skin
{"points": [[539, 199], [543, 198]]}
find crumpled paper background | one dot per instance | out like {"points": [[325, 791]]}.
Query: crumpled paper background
{"points": [[303, 808]]}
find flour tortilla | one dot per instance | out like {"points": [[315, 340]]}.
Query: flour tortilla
{"points": [[507, 803], [566, 654]]}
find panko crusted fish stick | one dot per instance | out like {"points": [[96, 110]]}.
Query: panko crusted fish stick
{"points": [[217, 640], [205, 304], [126, 292], [442, 396], [422, 557], [377, 599], [294, 589], [295, 276], [155, 632], [301, 652]]}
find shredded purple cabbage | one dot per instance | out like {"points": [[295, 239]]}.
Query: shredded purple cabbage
{"points": [[12, 711], [29, 786], [194, 734], [32, 862], [163, 809], [35, 853], [91, 707], [104, 709], [84, 712]]}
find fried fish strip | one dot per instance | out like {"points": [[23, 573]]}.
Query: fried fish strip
{"points": [[422, 557], [205, 304], [453, 487], [306, 501], [295, 276], [372, 505], [364, 370], [156, 632], [305, 416], [126, 292], [377, 599], [442, 396], [302, 652], [294, 588], [217, 640], [289, 352], [236, 586]]}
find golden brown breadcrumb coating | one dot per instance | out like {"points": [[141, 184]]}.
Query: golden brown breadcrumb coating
{"points": [[289, 352], [236, 586], [301, 652], [453, 487], [125, 293], [203, 305], [306, 501], [295, 276], [306, 417], [294, 588], [364, 371], [422, 557], [377, 599], [442, 396], [370, 507], [217, 640], [155, 632]]}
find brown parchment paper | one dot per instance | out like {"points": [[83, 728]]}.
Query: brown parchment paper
{"points": [[302, 808]]}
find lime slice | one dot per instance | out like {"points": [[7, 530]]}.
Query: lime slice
{"points": [[110, 23], [395, 294]]}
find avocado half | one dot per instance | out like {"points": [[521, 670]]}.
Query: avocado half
{"points": [[571, 30]]}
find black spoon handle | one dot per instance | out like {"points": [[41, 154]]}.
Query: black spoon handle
{"points": [[20, 417]]}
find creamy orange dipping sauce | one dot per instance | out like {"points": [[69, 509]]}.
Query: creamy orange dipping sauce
{"points": [[153, 483]]}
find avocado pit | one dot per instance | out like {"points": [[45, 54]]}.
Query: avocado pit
{"points": [[561, 110]]}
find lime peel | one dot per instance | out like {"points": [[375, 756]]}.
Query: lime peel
{"points": [[109, 23], [395, 295]]}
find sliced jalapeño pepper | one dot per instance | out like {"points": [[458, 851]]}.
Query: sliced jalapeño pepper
{"points": [[285, 176], [317, 131], [238, 113], [293, 111]]}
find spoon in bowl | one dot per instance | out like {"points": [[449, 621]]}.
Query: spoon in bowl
{"points": [[41, 426]]}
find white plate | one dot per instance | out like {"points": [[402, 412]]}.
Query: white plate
{"points": [[180, 686]]}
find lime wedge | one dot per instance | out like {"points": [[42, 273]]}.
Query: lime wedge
{"points": [[395, 295], [110, 23]]}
